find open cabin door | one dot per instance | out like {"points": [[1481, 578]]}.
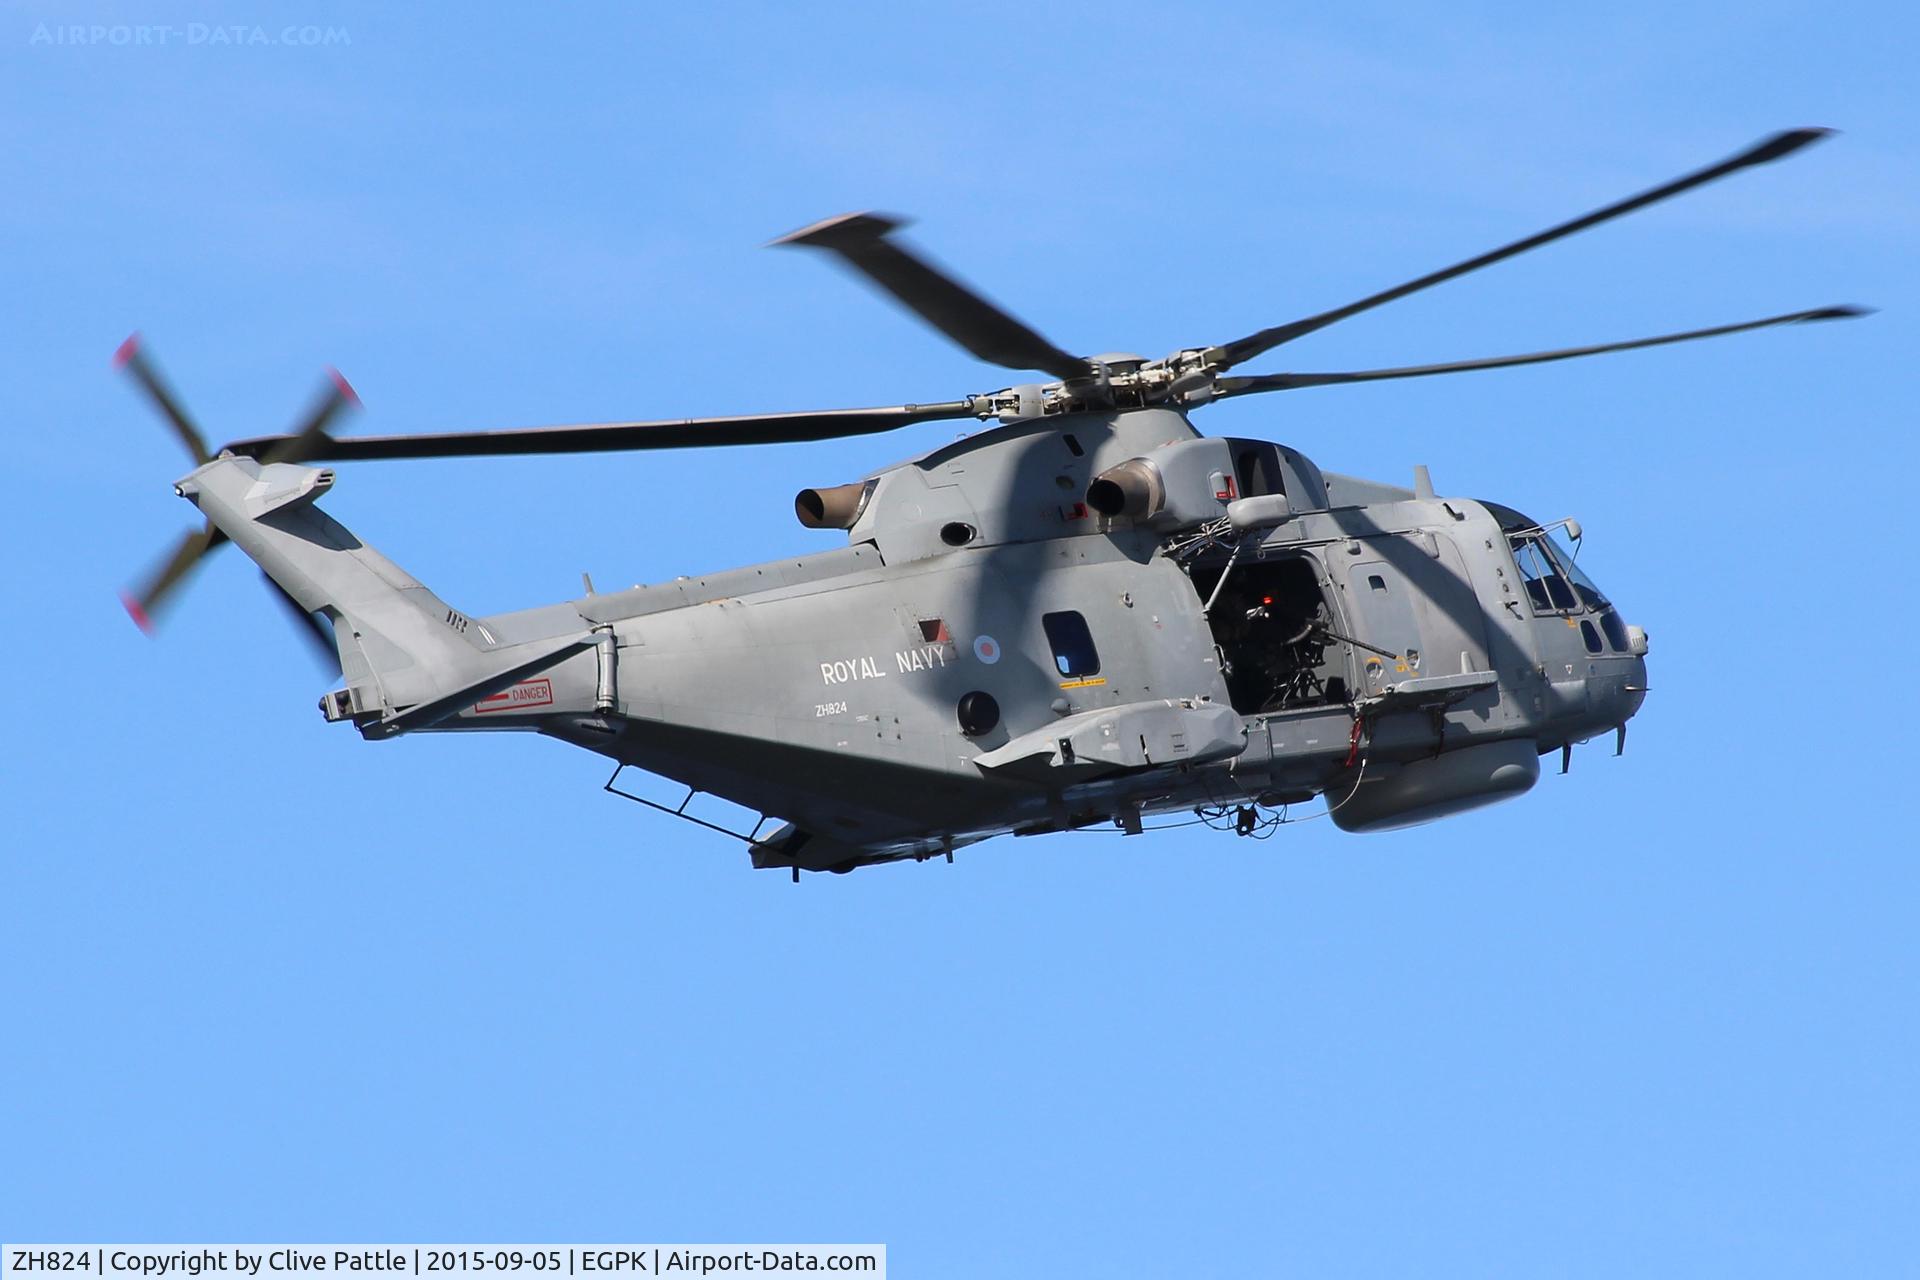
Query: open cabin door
{"points": [[1277, 633]]}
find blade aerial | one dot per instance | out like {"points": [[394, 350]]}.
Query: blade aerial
{"points": [[677, 433], [1237, 386], [1769, 149], [862, 242]]}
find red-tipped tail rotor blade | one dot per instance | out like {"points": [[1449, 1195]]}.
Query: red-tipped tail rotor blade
{"points": [[144, 604], [132, 357], [337, 398]]}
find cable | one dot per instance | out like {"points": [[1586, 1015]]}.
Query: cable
{"points": [[1116, 831], [1353, 754]]}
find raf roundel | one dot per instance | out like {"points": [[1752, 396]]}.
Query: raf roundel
{"points": [[987, 649]]}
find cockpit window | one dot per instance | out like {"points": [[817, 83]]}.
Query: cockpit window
{"points": [[1554, 581], [1583, 586], [1616, 631], [1549, 591]]}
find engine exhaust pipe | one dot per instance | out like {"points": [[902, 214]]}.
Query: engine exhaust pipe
{"points": [[839, 507], [1132, 489]]}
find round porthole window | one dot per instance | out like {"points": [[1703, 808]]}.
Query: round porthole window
{"points": [[979, 713]]}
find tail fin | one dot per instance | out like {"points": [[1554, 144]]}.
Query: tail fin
{"points": [[408, 657], [193, 546]]}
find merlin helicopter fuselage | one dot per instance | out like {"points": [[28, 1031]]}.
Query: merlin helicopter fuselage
{"points": [[1086, 615], [991, 653]]}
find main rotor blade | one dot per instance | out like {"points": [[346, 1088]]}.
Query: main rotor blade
{"points": [[142, 605], [1773, 148], [861, 239], [133, 359], [1292, 381], [679, 433]]}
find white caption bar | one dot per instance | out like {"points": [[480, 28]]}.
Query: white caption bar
{"points": [[526, 1261]]}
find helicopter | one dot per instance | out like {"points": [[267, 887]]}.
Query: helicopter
{"points": [[1087, 613]]}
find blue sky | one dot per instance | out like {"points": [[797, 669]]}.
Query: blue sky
{"points": [[264, 980]]}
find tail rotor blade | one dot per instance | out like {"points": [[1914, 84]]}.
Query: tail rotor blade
{"points": [[143, 604], [338, 397], [133, 358], [312, 630]]}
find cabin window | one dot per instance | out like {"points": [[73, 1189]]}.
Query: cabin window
{"points": [[1072, 643], [1590, 636], [1256, 466]]}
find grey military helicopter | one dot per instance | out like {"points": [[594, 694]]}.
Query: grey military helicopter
{"points": [[1087, 614]]}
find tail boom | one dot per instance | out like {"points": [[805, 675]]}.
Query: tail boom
{"points": [[410, 660]]}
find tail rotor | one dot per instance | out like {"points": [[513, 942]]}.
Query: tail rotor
{"points": [[143, 603]]}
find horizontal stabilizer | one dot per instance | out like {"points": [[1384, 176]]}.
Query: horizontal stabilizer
{"points": [[428, 714]]}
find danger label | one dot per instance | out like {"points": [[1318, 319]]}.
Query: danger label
{"points": [[519, 697]]}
